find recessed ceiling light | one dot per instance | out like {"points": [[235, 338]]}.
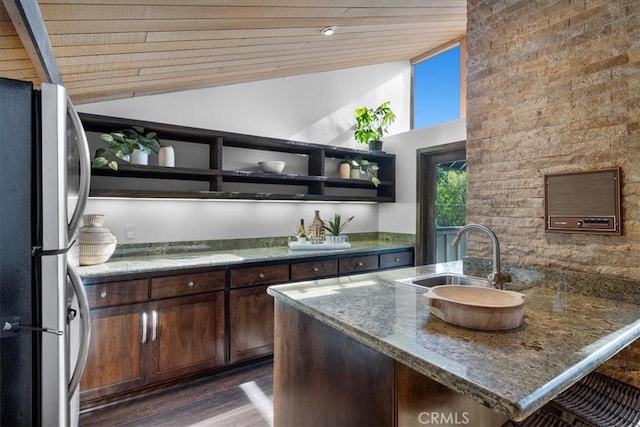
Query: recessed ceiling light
{"points": [[327, 31]]}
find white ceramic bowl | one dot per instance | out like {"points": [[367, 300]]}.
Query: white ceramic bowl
{"points": [[272, 166]]}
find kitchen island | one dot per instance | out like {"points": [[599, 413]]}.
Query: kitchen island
{"points": [[363, 350]]}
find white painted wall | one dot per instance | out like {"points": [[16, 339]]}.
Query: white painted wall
{"points": [[400, 217], [311, 107], [187, 220], [315, 107]]}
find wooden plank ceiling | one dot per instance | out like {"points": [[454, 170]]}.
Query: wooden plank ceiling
{"points": [[110, 49]]}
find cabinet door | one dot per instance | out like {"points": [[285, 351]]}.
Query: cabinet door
{"points": [[117, 352], [187, 335], [251, 323]]}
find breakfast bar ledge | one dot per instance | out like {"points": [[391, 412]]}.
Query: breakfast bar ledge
{"points": [[370, 331]]}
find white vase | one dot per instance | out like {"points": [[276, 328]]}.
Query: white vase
{"points": [[329, 238], [166, 156], [139, 157], [358, 174], [97, 243], [345, 170]]}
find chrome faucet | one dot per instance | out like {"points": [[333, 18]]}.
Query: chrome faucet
{"points": [[497, 278]]}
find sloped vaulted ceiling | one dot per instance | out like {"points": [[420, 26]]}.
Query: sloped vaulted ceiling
{"points": [[109, 49]]}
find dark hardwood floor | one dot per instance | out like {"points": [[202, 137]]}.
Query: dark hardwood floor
{"points": [[243, 397]]}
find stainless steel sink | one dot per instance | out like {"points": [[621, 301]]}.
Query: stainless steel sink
{"points": [[438, 279]]}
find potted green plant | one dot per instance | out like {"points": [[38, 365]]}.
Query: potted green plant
{"points": [[129, 145], [371, 124], [335, 227], [364, 169]]}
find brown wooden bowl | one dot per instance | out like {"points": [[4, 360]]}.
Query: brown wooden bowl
{"points": [[476, 307]]}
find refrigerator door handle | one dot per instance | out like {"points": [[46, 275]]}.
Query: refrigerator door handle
{"points": [[85, 337], [85, 169]]}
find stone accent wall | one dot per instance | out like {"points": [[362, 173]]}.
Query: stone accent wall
{"points": [[553, 86]]}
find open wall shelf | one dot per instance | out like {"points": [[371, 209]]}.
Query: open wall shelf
{"points": [[203, 158]]}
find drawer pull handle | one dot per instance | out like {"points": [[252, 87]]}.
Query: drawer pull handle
{"points": [[261, 275], [103, 294], [190, 284], [315, 269], [397, 259], [360, 264]]}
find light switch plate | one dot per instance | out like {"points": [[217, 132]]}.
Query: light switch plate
{"points": [[130, 232]]}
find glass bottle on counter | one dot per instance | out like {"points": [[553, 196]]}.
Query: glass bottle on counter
{"points": [[302, 234], [316, 229]]}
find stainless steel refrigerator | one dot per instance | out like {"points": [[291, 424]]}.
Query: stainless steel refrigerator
{"points": [[44, 317]]}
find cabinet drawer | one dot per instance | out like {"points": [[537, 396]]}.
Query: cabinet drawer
{"points": [[358, 264], [396, 259], [266, 275], [117, 293], [314, 269], [186, 284]]}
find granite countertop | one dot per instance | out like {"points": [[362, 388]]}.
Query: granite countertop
{"points": [[564, 335], [158, 262]]}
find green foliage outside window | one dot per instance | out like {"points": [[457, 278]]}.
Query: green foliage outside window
{"points": [[451, 197]]}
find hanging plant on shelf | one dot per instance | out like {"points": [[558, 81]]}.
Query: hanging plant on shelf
{"points": [[122, 143], [366, 168]]}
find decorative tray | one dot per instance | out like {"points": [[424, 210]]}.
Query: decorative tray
{"points": [[307, 246]]}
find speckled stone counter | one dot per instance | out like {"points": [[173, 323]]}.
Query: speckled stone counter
{"points": [[564, 335], [165, 262]]}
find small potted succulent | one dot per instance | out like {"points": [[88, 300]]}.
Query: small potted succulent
{"points": [[129, 145], [372, 124], [335, 227]]}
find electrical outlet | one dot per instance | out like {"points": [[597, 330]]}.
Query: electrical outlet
{"points": [[130, 232]]}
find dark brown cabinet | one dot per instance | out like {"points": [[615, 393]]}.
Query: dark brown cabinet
{"points": [[396, 260], [160, 328], [187, 284], [358, 264], [117, 293], [117, 358], [314, 270], [262, 275], [251, 310], [251, 323], [186, 335], [135, 344], [324, 377]]}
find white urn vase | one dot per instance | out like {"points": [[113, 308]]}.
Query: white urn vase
{"points": [[166, 156], [97, 243], [139, 157]]}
